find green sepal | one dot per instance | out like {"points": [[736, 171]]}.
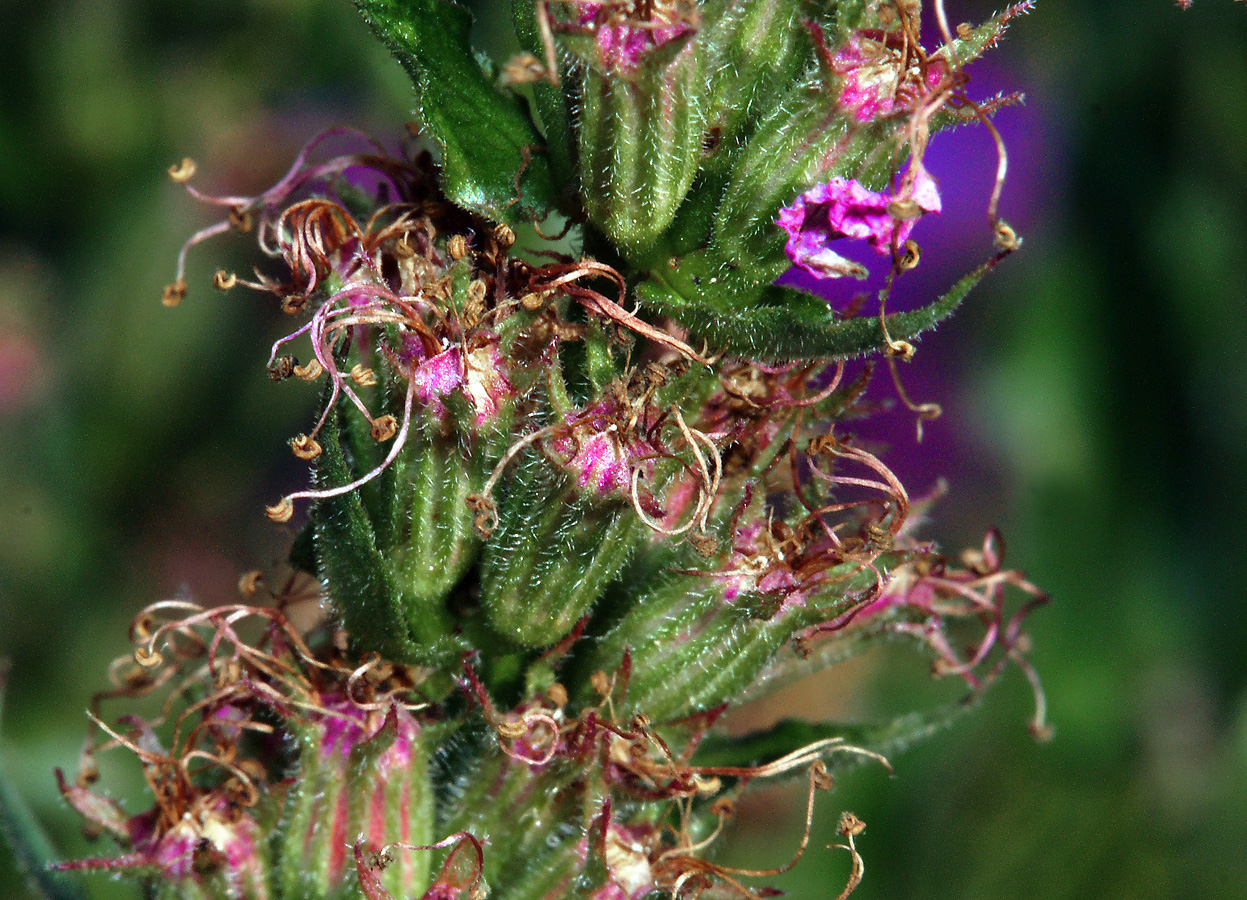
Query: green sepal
{"points": [[694, 222], [793, 666], [703, 655], [489, 145], [765, 49], [768, 322], [358, 577], [433, 544], [690, 649], [600, 366], [790, 735], [529, 816], [331, 789], [693, 650], [216, 887], [553, 554], [640, 141]]}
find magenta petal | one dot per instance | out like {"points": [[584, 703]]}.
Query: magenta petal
{"points": [[842, 208]]}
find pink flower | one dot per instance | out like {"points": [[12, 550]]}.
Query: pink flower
{"points": [[844, 208]]}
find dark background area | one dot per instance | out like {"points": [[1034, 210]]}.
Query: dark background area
{"points": [[1095, 396]]}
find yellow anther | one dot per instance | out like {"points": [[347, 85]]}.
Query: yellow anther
{"points": [[184, 171]]}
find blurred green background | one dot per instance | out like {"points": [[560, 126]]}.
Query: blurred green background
{"points": [[1095, 394]]}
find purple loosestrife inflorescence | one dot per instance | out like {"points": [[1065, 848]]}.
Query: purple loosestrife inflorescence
{"points": [[583, 477]]}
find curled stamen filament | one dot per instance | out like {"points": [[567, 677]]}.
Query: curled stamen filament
{"points": [[397, 446]]}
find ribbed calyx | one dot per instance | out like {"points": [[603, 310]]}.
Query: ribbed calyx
{"points": [[575, 495]]}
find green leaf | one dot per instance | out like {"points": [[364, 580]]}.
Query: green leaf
{"points": [[790, 735], [489, 145], [766, 322]]}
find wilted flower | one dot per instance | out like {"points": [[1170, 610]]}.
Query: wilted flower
{"points": [[880, 74], [843, 208], [624, 30]]}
